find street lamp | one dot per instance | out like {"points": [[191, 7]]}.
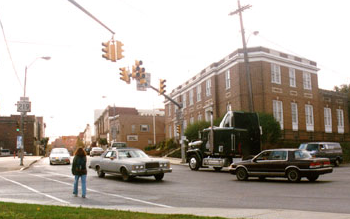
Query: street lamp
{"points": [[254, 33], [23, 114]]}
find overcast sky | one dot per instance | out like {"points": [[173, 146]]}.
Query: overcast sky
{"points": [[175, 39]]}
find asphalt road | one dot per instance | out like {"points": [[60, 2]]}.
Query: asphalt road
{"points": [[46, 184]]}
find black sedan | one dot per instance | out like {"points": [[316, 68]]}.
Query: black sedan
{"points": [[289, 163]]}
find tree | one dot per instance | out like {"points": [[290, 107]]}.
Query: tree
{"points": [[102, 141], [345, 89], [192, 130], [270, 127]]}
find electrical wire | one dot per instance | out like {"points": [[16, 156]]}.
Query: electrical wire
{"points": [[8, 50]]}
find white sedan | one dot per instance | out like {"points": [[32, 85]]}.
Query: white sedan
{"points": [[129, 163], [59, 156]]}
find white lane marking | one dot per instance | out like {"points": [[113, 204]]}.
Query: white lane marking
{"points": [[34, 190], [104, 193]]}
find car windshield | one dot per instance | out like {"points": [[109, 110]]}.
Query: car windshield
{"points": [[300, 154], [97, 149], [60, 151], [131, 154]]}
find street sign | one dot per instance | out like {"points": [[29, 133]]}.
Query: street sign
{"points": [[143, 87], [23, 106], [24, 98], [19, 142]]}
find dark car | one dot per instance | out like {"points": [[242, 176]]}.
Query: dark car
{"points": [[331, 150], [289, 163]]}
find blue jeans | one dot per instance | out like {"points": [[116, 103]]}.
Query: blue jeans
{"points": [[83, 184]]}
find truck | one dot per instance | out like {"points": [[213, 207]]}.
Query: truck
{"points": [[239, 135]]}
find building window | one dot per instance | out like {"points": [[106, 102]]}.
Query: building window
{"points": [[327, 120], [185, 124], [292, 82], [175, 131], [275, 74], [208, 114], [307, 80], [294, 109], [278, 111], [309, 116], [170, 133], [184, 100], [227, 79], [144, 128], [228, 106], [169, 105], [208, 87], [133, 129], [191, 120], [199, 117], [340, 118], [191, 97], [199, 93]]}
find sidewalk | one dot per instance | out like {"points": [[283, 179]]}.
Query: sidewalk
{"points": [[10, 164]]}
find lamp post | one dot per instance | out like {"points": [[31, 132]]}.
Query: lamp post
{"points": [[23, 114]]}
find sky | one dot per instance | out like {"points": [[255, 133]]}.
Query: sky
{"points": [[175, 39]]}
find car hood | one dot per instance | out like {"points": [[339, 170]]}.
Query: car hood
{"points": [[143, 160]]}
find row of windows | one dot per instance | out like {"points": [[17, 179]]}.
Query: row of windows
{"points": [[309, 117], [276, 77]]}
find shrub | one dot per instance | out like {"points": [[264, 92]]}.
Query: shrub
{"points": [[270, 127], [191, 131]]}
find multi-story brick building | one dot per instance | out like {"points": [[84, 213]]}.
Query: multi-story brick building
{"points": [[34, 131], [282, 84], [138, 128]]}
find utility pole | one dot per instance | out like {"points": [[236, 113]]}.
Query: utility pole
{"points": [[245, 52]]}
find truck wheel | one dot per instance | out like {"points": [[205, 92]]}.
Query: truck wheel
{"points": [[241, 174], [194, 162], [293, 175]]}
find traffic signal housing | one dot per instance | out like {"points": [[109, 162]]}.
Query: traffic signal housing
{"points": [[178, 129], [106, 50], [162, 86], [124, 75], [17, 126], [138, 72], [119, 50]]}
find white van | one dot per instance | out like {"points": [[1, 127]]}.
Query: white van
{"points": [[5, 152]]}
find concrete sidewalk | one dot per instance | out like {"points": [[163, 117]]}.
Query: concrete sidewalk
{"points": [[12, 164]]}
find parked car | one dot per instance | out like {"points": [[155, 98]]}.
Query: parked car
{"points": [[59, 156], [96, 151], [5, 152], [129, 163], [289, 163], [331, 150]]}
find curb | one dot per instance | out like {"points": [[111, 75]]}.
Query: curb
{"points": [[26, 167]]}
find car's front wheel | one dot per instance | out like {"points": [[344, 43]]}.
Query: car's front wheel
{"points": [[241, 174], [293, 175], [194, 162], [159, 176], [100, 173], [125, 174]]}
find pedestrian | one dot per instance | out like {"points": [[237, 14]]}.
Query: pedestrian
{"points": [[79, 171]]}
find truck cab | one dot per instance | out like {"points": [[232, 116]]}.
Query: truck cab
{"points": [[237, 136]]}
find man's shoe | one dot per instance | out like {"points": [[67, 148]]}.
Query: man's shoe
{"points": [[83, 196]]}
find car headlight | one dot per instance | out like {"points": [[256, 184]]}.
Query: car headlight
{"points": [[164, 165], [137, 167]]}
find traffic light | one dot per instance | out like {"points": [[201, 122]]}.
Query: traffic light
{"points": [[106, 50], [162, 86], [124, 75], [119, 50], [178, 129], [138, 72], [17, 126], [112, 51]]}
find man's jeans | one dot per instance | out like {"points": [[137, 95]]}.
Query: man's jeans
{"points": [[83, 185]]}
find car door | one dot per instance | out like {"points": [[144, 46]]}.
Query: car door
{"points": [[113, 162], [260, 164], [104, 161], [277, 162]]}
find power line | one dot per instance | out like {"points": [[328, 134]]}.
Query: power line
{"points": [[8, 51]]}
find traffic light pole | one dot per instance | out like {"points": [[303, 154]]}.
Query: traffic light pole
{"points": [[180, 120]]}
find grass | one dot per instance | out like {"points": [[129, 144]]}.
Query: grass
{"points": [[24, 211]]}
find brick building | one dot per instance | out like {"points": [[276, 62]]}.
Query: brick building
{"points": [[282, 84], [138, 128], [34, 131], [68, 142]]}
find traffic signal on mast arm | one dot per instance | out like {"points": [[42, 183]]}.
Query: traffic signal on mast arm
{"points": [[138, 72], [124, 75], [106, 50], [119, 50], [162, 86], [112, 51]]}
